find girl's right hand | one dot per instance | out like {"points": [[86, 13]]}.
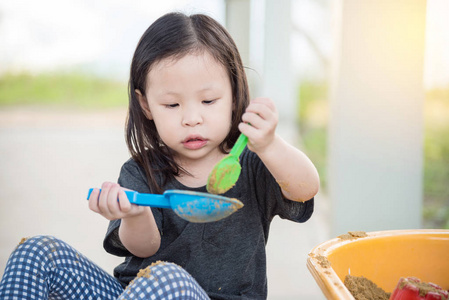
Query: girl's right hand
{"points": [[106, 204]]}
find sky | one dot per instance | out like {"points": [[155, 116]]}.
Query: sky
{"points": [[100, 36]]}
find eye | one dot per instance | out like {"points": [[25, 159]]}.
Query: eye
{"points": [[209, 101], [171, 105]]}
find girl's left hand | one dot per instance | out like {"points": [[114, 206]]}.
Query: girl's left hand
{"points": [[259, 123]]}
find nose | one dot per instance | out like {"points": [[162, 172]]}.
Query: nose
{"points": [[192, 117]]}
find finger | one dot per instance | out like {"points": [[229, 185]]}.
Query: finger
{"points": [[250, 131], [103, 199], [262, 111], [266, 125], [124, 204], [112, 202], [93, 200], [267, 102], [253, 119]]}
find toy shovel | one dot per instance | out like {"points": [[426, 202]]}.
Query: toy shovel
{"points": [[226, 172], [194, 207]]}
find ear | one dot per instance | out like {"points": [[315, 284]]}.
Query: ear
{"points": [[144, 104]]}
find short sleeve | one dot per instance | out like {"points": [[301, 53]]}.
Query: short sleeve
{"points": [[263, 186], [132, 177]]}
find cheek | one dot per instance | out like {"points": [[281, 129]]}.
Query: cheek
{"points": [[226, 121], [164, 128], [230, 114]]}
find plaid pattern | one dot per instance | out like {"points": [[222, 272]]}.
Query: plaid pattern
{"points": [[44, 267], [164, 281]]}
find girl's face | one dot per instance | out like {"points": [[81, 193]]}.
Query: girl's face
{"points": [[190, 101]]}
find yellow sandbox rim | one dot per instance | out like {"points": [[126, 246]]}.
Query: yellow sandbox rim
{"points": [[383, 257]]}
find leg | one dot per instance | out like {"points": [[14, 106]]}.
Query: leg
{"points": [[44, 267], [163, 280]]}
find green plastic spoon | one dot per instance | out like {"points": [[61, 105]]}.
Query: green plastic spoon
{"points": [[226, 172]]}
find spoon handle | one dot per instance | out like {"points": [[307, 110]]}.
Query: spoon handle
{"points": [[153, 200], [239, 145]]}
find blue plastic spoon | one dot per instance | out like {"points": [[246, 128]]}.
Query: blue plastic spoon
{"points": [[194, 207]]}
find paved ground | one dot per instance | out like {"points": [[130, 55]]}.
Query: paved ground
{"points": [[49, 159]]}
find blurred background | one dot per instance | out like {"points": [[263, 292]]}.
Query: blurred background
{"points": [[361, 86]]}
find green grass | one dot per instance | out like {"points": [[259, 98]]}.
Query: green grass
{"points": [[436, 160], [67, 89], [314, 141], [313, 116]]}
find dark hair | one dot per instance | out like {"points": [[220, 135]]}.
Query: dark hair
{"points": [[175, 35]]}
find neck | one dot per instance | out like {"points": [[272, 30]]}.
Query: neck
{"points": [[198, 170]]}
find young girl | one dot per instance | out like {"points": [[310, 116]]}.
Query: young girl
{"points": [[189, 102]]}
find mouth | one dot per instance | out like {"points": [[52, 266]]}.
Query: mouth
{"points": [[194, 142]]}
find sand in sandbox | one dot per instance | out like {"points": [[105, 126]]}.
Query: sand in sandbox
{"points": [[364, 289]]}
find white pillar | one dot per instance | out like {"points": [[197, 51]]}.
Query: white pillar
{"points": [[237, 23], [376, 126], [277, 74]]}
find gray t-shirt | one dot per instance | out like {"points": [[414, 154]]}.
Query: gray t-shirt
{"points": [[226, 257]]}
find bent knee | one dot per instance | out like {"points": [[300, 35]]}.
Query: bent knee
{"points": [[167, 279], [42, 244], [161, 269], [38, 240]]}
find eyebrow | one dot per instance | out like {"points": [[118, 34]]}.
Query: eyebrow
{"points": [[204, 89]]}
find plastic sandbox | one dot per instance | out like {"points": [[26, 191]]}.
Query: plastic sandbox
{"points": [[383, 257]]}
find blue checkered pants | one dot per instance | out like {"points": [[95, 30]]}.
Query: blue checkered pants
{"points": [[44, 267]]}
